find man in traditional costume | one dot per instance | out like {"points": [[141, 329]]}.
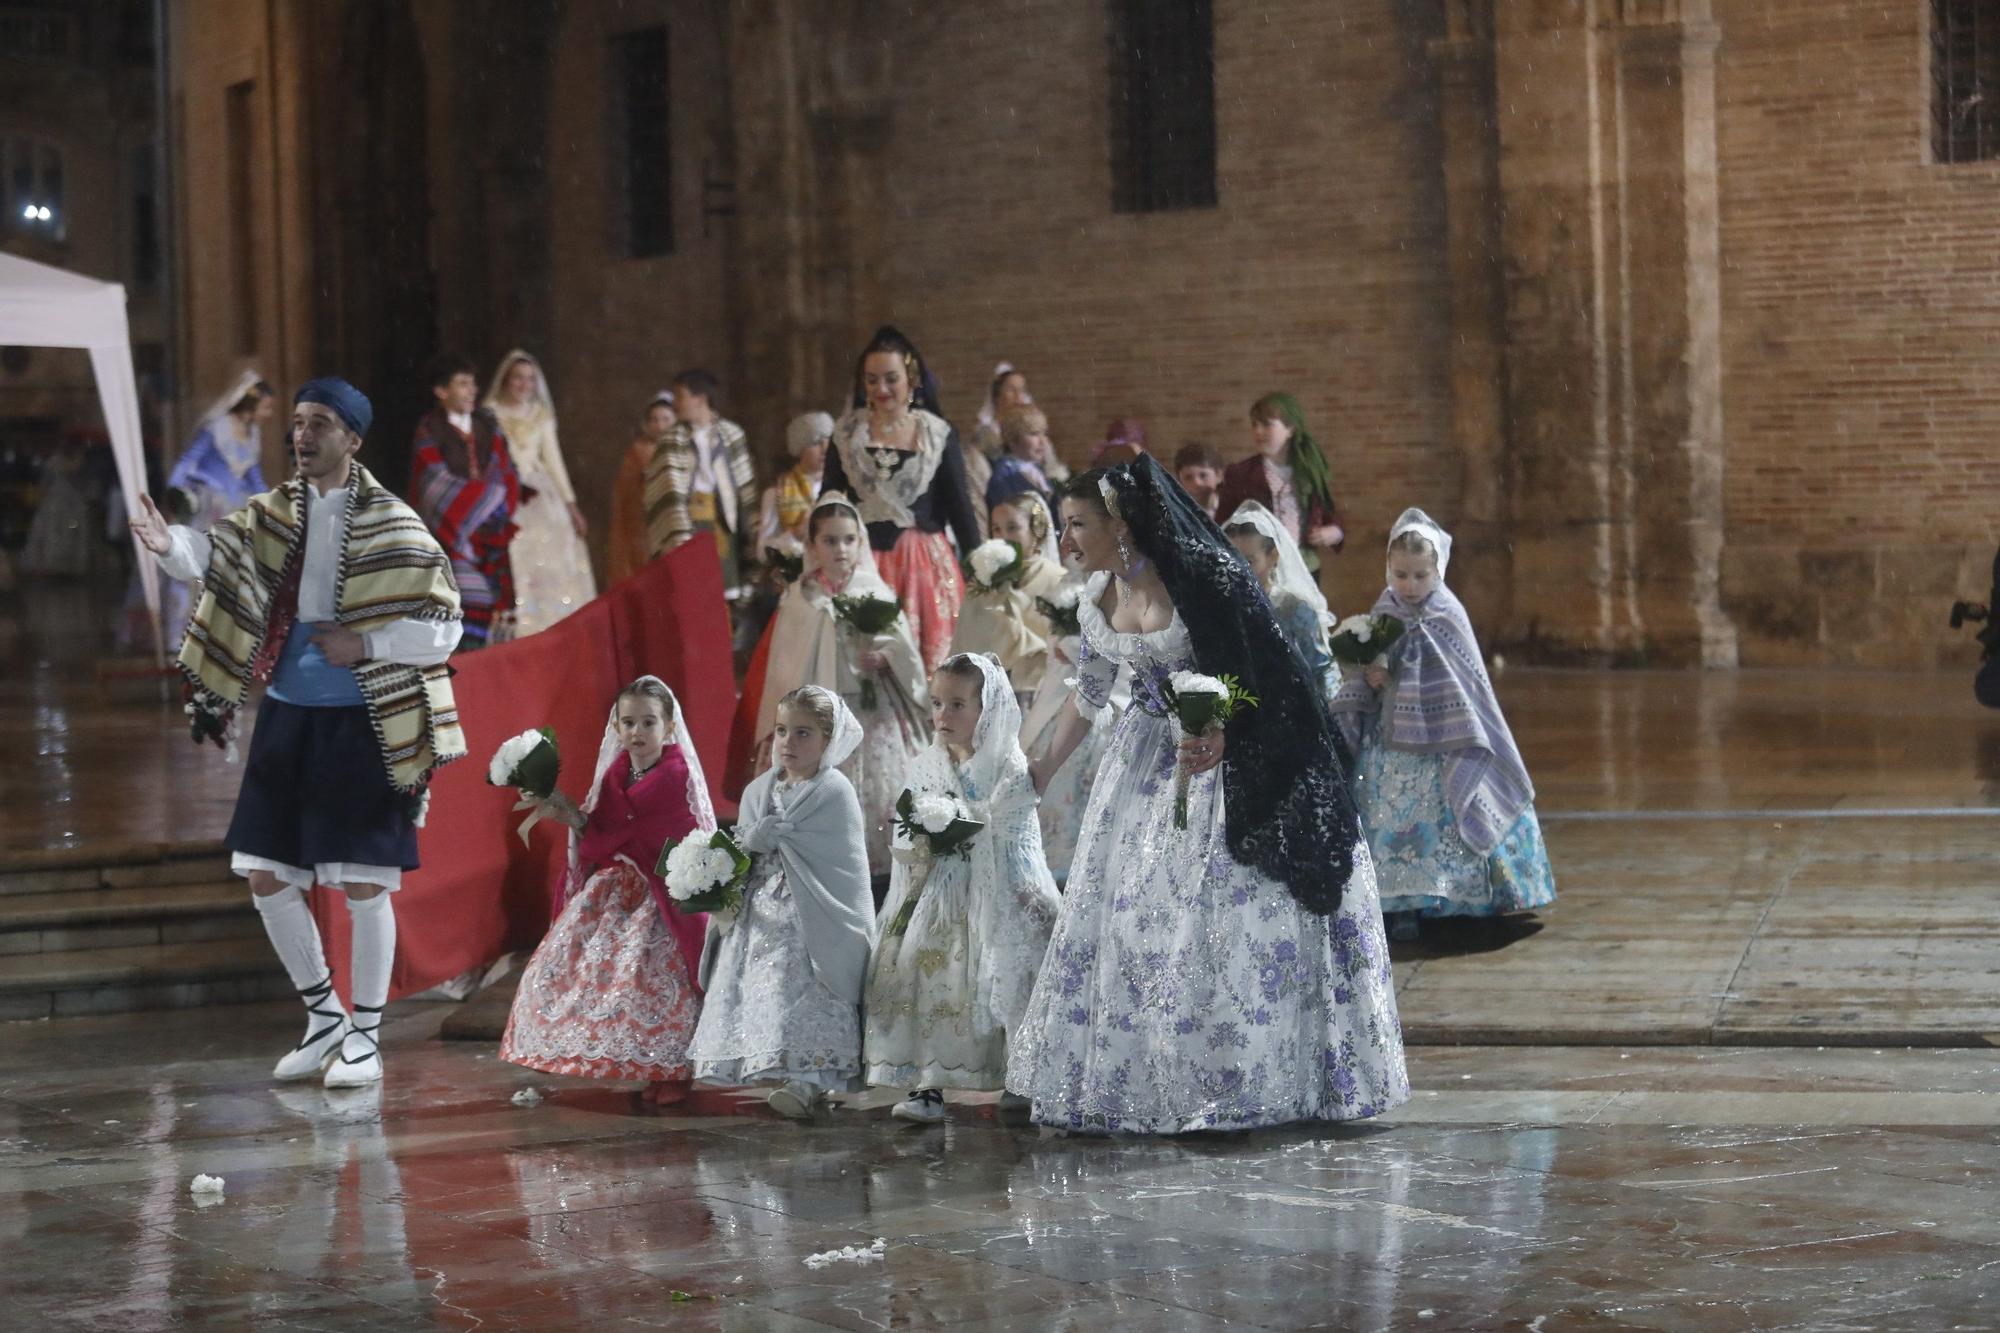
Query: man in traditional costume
{"points": [[701, 480], [463, 481], [332, 592]]}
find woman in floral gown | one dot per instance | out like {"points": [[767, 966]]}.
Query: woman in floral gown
{"points": [[1232, 973]]}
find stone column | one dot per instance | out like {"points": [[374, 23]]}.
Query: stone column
{"points": [[1673, 332], [1482, 568], [1559, 359], [1613, 376]]}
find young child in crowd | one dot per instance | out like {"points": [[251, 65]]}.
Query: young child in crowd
{"points": [[944, 992], [1007, 622], [1288, 475], [878, 675], [629, 548], [1445, 798], [610, 992], [784, 971], [1274, 558], [1024, 436], [1198, 468]]}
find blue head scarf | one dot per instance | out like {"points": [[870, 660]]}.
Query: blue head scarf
{"points": [[348, 403]]}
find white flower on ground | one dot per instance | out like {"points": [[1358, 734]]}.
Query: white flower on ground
{"points": [[990, 557], [206, 1185], [1193, 682]]}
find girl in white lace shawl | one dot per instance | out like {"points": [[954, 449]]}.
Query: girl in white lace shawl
{"points": [[943, 995], [879, 676], [784, 976]]}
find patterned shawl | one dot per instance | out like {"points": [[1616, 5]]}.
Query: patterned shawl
{"points": [[391, 568], [1439, 700]]}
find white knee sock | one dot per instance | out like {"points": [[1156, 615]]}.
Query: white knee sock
{"points": [[374, 954], [294, 934]]}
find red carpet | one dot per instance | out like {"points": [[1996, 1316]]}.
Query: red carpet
{"points": [[480, 892]]}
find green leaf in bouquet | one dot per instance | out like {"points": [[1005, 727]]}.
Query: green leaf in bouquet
{"points": [[868, 615], [1062, 619]]}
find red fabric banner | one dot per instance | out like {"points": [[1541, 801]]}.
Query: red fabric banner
{"points": [[481, 893]]}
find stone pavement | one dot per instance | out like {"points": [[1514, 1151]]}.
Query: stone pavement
{"points": [[1734, 931], [1529, 1188]]}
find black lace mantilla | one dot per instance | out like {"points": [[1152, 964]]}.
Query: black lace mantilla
{"points": [[1289, 812]]}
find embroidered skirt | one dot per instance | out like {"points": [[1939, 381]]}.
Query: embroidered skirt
{"points": [[607, 993], [924, 573]]}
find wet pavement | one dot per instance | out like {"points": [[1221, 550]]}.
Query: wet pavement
{"points": [[1525, 1187]]}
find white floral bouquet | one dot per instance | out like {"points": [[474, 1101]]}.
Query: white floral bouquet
{"points": [[1361, 641], [705, 872], [1199, 703], [1059, 608], [994, 565], [938, 825], [530, 764]]}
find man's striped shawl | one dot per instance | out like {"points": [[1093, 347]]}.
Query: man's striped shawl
{"points": [[391, 568]]}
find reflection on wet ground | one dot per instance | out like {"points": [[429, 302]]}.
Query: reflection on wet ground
{"points": [[1529, 1187]]}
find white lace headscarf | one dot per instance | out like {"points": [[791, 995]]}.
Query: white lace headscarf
{"points": [[847, 734], [864, 554], [611, 747], [1291, 575], [996, 740], [539, 404], [1417, 521]]}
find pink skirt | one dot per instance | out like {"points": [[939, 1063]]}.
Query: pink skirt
{"points": [[607, 993], [924, 573]]}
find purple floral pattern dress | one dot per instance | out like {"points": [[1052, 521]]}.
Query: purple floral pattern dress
{"points": [[1182, 990]]}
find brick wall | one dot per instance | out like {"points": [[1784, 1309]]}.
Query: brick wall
{"points": [[1861, 317], [1319, 272]]}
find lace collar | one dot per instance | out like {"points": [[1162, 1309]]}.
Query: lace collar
{"points": [[1167, 644]]}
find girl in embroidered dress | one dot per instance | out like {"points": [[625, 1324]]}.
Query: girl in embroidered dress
{"points": [[1274, 558], [551, 567], [784, 976], [1006, 622], [943, 995], [1445, 797], [879, 676], [900, 459], [610, 991], [1229, 970]]}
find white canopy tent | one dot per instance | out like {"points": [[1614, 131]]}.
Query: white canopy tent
{"points": [[42, 306]]}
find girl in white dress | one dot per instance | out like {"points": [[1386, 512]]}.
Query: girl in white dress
{"points": [[878, 676], [1231, 973], [551, 567], [943, 995], [782, 980]]}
